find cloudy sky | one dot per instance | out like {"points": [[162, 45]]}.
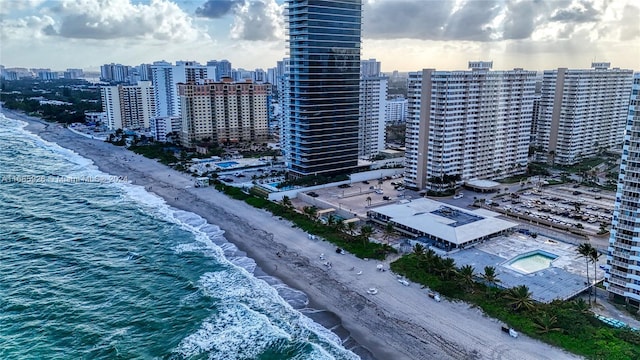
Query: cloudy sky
{"points": [[405, 35]]}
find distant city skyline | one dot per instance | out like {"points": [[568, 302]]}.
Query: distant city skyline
{"points": [[405, 35]]}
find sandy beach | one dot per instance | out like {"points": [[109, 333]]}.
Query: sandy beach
{"points": [[399, 322]]}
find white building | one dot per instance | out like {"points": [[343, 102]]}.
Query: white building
{"points": [[445, 226], [162, 126], [582, 111], [114, 73], [465, 125], [370, 68], [166, 77], [396, 110], [95, 117], [373, 98], [622, 279], [128, 107]]}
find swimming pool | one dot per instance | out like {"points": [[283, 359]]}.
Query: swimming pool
{"points": [[227, 164], [532, 261]]}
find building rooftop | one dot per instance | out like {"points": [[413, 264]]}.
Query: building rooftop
{"points": [[450, 223]]}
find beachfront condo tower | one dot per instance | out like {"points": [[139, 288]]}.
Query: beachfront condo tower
{"points": [[582, 111], [467, 125], [373, 99], [622, 278], [322, 111], [224, 112], [166, 78], [128, 106]]}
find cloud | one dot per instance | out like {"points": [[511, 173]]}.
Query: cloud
{"points": [[405, 19], [630, 23], [120, 19], [472, 20], [258, 20], [218, 8], [580, 12], [520, 20], [9, 6], [29, 28]]}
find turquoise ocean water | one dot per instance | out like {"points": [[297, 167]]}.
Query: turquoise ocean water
{"points": [[94, 268]]}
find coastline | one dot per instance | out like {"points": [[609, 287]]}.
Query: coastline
{"points": [[398, 323]]}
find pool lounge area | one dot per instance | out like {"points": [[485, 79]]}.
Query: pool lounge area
{"points": [[550, 269]]}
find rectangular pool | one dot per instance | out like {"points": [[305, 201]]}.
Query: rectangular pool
{"points": [[227, 164]]}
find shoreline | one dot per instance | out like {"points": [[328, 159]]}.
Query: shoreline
{"points": [[399, 323]]}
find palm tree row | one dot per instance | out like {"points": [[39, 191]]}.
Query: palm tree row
{"points": [[591, 256], [568, 324]]}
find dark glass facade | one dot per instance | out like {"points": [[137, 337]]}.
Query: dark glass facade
{"points": [[324, 85]]}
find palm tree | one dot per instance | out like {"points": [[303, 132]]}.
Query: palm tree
{"points": [[431, 259], [340, 225], [594, 255], [545, 323], [351, 226], [584, 250], [368, 200], [466, 274], [286, 201], [310, 211], [519, 298], [331, 220], [389, 231], [448, 269], [581, 306], [490, 276], [365, 233], [418, 249]]}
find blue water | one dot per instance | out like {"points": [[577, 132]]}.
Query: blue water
{"points": [[227, 164], [95, 268]]}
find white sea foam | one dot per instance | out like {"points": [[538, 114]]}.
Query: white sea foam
{"points": [[244, 262]]}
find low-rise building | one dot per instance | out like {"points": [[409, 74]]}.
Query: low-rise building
{"points": [[445, 226]]}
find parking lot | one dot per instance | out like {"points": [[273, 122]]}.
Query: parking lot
{"points": [[564, 205], [358, 197]]}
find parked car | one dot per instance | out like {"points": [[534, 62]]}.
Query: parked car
{"points": [[458, 196], [379, 192]]}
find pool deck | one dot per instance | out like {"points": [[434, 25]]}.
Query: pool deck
{"points": [[565, 277]]}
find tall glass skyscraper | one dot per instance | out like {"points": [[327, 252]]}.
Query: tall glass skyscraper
{"points": [[321, 134]]}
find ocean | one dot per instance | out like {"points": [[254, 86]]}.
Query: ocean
{"points": [[92, 267]]}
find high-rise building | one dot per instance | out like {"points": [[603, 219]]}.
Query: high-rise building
{"points": [[581, 112], [622, 278], [115, 73], [223, 68], [128, 106], [160, 127], [324, 86], [466, 125], [166, 77], [73, 74], [396, 110], [373, 98], [224, 112], [144, 71], [369, 68], [48, 75]]}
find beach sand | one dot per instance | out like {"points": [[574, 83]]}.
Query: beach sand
{"points": [[399, 322]]}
